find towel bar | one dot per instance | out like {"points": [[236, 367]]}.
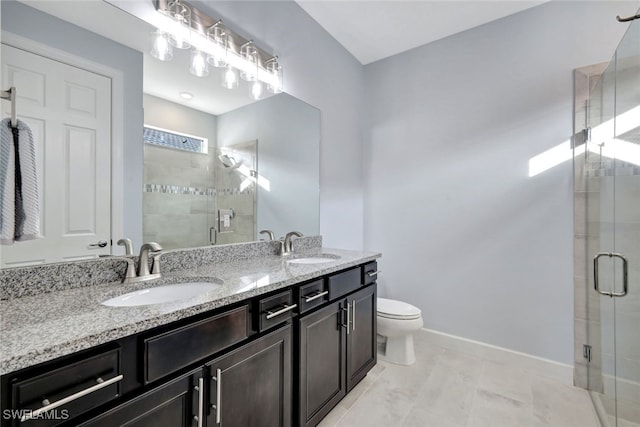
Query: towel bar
{"points": [[11, 96]]}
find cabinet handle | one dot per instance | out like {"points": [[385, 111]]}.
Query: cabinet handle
{"points": [[284, 309], [373, 273], [353, 316], [309, 298], [49, 406], [200, 389], [348, 317], [218, 380]]}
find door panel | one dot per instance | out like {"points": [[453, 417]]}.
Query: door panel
{"points": [[69, 112], [322, 336], [612, 174], [362, 347]]}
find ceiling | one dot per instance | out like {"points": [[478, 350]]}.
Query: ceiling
{"points": [[373, 30], [369, 29]]}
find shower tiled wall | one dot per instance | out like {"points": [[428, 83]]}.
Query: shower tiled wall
{"points": [[234, 190], [178, 197]]}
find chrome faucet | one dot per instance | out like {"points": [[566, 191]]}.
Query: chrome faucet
{"points": [[143, 264], [269, 233], [287, 247]]}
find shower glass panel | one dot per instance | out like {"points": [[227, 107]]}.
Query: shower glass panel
{"points": [[608, 171]]}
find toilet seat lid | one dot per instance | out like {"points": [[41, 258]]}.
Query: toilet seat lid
{"points": [[397, 309]]}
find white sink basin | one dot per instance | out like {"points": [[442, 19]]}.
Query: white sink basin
{"points": [[317, 259], [161, 294]]}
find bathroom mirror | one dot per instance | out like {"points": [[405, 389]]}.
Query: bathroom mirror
{"points": [[275, 140]]}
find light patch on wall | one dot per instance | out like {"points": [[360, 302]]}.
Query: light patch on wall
{"points": [[253, 176], [601, 134]]}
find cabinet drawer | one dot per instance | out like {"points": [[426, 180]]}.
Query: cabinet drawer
{"points": [[370, 273], [312, 295], [178, 348], [342, 283], [275, 309], [69, 390]]}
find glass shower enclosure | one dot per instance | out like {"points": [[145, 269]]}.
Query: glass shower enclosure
{"points": [[607, 233]]}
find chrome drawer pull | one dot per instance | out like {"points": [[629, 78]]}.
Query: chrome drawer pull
{"points": [[272, 314], [315, 296], [65, 400], [373, 273]]}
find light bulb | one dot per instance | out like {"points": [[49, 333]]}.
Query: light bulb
{"points": [[249, 54], [230, 78], [275, 69], [160, 47], [218, 36], [199, 66], [256, 90], [180, 14]]}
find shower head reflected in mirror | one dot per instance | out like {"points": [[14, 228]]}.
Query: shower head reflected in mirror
{"points": [[229, 162]]}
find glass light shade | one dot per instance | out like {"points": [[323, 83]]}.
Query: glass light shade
{"points": [[249, 54], [180, 15], [199, 66], [230, 78], [160, 47], [275, 69], [256, 90], [218, 36]]}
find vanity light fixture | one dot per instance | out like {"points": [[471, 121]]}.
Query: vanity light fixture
{"points": [[199, 65], [249, 53], [180, 21], [160, 47], [212, 43], [217, 35]]}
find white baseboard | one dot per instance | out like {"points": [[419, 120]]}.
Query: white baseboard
{"points": [[537, 365]]}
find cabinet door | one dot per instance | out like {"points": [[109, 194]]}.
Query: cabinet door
{"points": [[177, 403], [251, 386], [322, 362], [361, 340]]}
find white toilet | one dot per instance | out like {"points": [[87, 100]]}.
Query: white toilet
{"points": [[396, 322]]}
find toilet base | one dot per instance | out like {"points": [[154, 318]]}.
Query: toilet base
{"points": [[397, 349]]}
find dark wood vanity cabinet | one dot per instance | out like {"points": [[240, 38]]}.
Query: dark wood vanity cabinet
{"points": [[281, 359], [177, 403], [337, 347], [361, 340], [251, 386], [322, 362]]}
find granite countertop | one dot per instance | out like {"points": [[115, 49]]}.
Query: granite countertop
{"points": [[42, 327]]}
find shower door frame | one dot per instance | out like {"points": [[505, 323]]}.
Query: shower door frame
{"points": [[598, 209]]}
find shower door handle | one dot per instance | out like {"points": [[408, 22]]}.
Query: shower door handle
{"points": [[625, 274]]}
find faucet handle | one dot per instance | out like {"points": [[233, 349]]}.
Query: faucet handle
{"points": [[156, 264]]}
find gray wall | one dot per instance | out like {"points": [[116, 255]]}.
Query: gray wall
{"points": [[484, 250], [320, 72], [42, 28], [288, 135]]}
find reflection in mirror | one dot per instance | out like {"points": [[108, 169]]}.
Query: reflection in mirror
{"points": [[185, 199]]}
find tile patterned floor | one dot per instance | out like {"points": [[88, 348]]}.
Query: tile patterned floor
{"points": [[451, 389]]}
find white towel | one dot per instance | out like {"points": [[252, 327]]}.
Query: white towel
{"points": [[20, 219]]}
